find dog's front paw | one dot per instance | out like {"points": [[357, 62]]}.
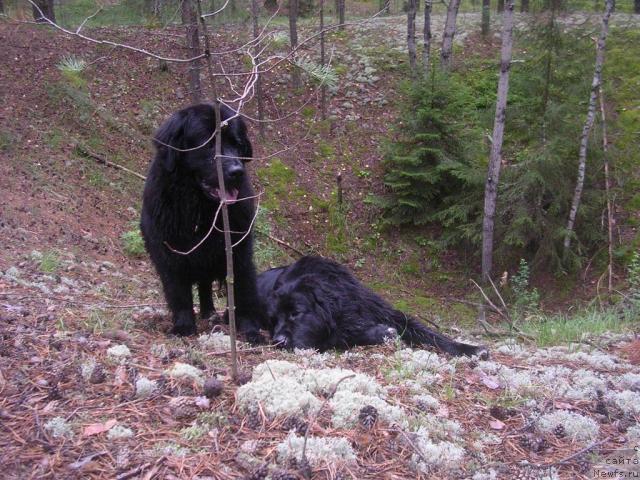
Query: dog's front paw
{"points": [[184, 325]]}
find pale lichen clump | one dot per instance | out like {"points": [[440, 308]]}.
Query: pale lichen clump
{"points": [[119, 432], [595, 359], [633, 433], [119, 352], [441, 428], [312, 358], [485, 475], [576, 426], [435, 454], [630, 381], [420, 366], [216, 341], [512, 348], [184, 371], [346, 406], [515, 381], [58, 427], [145, 387], [323, 381], [319, 451], [87, 367], [280, 387], [171, 449], [159, 350], [425, 401], [627, 400], [282, 395]]}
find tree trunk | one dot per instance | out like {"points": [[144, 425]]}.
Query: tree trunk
{"points": [[1, 7], [255, 12], [486, 17], [449, 32], [323, 90], [385, 6], [340, 12], [607, 186], [190, 21], [591, 111], [293, 39], [524, 6], [493, 175], [426, 52], [411, 34], [45, 13], [500, 6], [636, 6]]}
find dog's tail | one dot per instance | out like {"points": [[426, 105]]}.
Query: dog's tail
{"points": [[415, 332]]}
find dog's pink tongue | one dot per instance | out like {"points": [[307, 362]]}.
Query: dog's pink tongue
{"points": [[232, 195]]}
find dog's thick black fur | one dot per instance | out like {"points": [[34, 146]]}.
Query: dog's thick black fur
{"points": [[179, 203], [317, 303]]}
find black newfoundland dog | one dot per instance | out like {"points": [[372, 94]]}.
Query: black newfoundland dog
{"points": [[180, 200], [317, 303]]}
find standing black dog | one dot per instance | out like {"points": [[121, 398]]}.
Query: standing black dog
{"points": [[317, 303], [180, 200]]}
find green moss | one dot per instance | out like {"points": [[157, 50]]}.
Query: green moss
{"points": [[7, 141], [132, 243], [277, 180], [50, 262]]}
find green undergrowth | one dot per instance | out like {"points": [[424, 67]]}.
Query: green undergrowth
{"points": [[560, 328]]}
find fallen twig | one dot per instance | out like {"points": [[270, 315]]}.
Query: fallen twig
{"points": [[106, 162]]}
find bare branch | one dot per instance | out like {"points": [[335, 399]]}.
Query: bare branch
{"points": [[109, 42]]}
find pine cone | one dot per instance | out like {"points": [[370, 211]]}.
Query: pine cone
{"points": [[533, 442], [368, 416], [183, 407], [422, 406], [259, 473], [98, 375], [559, 431], [283, 475], [54, 392], [583, 462], [254, 420], [296, 424], [601, 408]]}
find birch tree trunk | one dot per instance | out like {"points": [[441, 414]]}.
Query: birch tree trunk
{"points": [[426, 51], [493, 175], [293, 39], [486, 17], [411, 34], [255, 11], [190, 21], [449, 32], [607, 185], [588, 124]]}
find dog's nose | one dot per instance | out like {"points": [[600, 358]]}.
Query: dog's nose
{"points": [[236, 172]]}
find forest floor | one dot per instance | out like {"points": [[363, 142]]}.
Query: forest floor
{"points": [[91, 386]]}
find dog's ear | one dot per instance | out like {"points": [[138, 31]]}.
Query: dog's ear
{"points": [[238, 130], [169, 137]]}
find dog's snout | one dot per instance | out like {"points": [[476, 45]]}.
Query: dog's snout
{"points": [[236, 172]]}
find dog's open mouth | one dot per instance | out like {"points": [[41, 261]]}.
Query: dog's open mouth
{"points": [[231, 194]]}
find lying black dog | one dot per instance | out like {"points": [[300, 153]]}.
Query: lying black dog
{"points": [[180, 200], [317, 303]]}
